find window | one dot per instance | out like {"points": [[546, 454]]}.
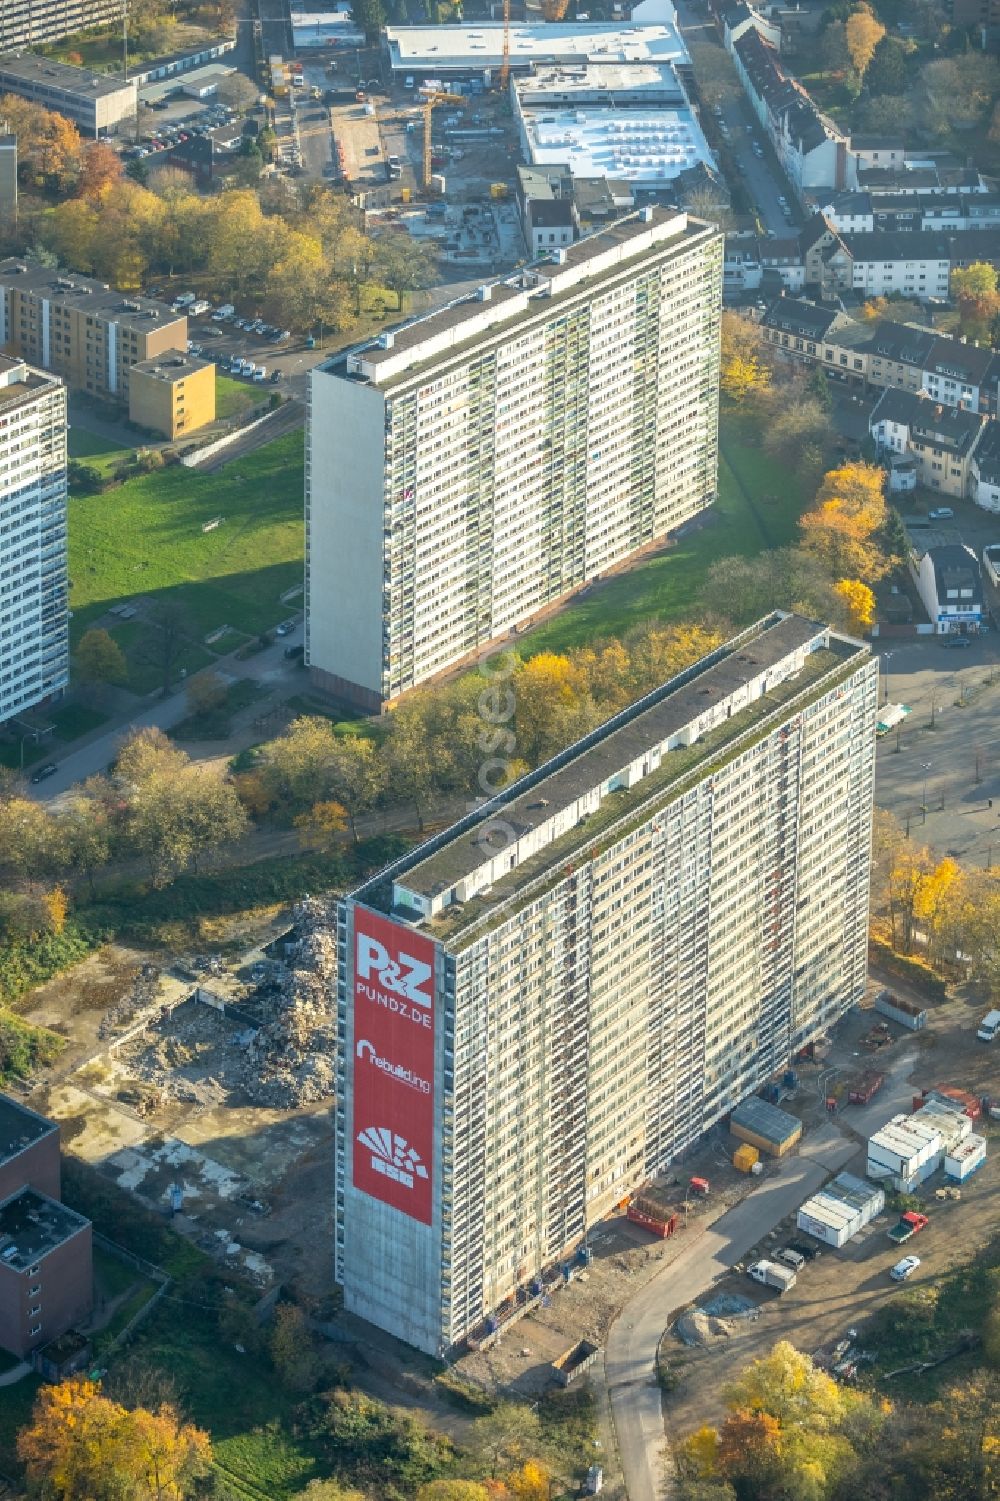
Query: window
{"points": [[35, 1329]]}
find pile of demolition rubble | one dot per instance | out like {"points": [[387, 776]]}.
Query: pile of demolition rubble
{"points": [[289, 1059]]}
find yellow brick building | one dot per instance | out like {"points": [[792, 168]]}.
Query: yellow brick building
{"points": [[81, 329], [173, 394]]}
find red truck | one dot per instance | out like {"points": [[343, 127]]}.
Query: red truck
{"points": [[911, 1223]]}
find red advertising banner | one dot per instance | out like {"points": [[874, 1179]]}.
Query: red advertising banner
{"points": [[393, 1063]]}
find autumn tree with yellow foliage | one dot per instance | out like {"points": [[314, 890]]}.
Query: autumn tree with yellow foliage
{"points": [[744, 371], [862, 33], [790, 1431], [859, 600], [844, 525], [79, 1446]]}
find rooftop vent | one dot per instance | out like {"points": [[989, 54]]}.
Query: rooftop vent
{"points": [[484, 293], [386, 340]]}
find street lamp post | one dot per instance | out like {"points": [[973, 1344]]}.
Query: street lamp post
{"points": [[923, 801], [886, 659]]}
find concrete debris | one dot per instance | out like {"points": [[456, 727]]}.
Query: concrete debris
{"points": [[142, 992], [203, 1054], [289, 1059]]}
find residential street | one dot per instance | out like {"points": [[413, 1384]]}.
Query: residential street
{"points": [[630, 1358]]}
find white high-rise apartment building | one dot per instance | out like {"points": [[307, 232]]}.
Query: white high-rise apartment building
{"points": [[485, 461], [542, 1006], [34, 612]]}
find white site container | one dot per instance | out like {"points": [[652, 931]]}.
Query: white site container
{"points": [[961, 1162]]}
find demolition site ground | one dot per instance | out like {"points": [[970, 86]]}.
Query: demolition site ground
{"points": [[206, 1092]]}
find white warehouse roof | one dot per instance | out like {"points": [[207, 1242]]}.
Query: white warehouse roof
{"points": [[640, 146], [473, 49]]}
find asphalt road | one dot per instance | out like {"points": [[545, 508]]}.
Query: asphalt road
{"points": [[630, 1358], [266, 667], [761, 175]]}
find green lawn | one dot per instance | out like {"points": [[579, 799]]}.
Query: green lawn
{"points": [[234, 396], [145, 538], [100, 453], [145, 676], [235, 1397], [758, 507]]}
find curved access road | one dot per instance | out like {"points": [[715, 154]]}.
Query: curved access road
{"points": [[630, 1358]]}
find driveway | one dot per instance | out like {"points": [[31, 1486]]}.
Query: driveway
{"points": [[630, 1359]]}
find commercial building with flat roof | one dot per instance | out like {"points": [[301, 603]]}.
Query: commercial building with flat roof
{"points": [[476, 51], [630, 122], [541, 1007], [485, 461], [34, 23], [173, 394], [34, 606], [96, 102], [81, 328], [46, 1270]]}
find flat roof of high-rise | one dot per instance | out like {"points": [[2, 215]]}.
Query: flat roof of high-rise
{"points": [[19, 380], [594, 761], [530, 293]]}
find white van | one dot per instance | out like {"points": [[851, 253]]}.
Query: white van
{"points": [[989, 1026]]}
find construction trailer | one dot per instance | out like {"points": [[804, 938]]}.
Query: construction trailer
{"points": [[837, 1212], [908, 1149], [963, 1160], [765, 1126]]}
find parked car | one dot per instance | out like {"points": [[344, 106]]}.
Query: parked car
{"points": [[941, 513], [260, 373], [48, 770], [291, 652], [788, 1257], [904, 1268], [956, 643], [285, 628], [804, 1249], [276, 375]]}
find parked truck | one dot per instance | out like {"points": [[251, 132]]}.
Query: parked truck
{"points": [[909, 1224], [781, 1278]]}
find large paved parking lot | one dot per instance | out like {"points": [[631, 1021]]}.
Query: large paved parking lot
{"points": [[939, 772]]}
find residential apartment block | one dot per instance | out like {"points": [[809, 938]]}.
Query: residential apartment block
{"points": [[34, 611], [940, 440], [483, 462], [33, 23], [46, 1273], [82, 329], [173, 394], [904, 356], [541, 1007], [8, 177]]}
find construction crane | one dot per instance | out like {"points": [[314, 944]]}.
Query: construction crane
{"points": [[505, 62], [431, 101]]}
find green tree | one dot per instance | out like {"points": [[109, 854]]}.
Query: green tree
{"points": [[99, 658], [292, 1348], [404, 264], [887, 73], [507, 1436], [163, 643]]}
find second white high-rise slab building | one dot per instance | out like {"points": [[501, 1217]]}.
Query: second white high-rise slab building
{"points": [[482, 463], [34, 611]]}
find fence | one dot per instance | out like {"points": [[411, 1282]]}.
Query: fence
{"points": [[219, 445]]}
